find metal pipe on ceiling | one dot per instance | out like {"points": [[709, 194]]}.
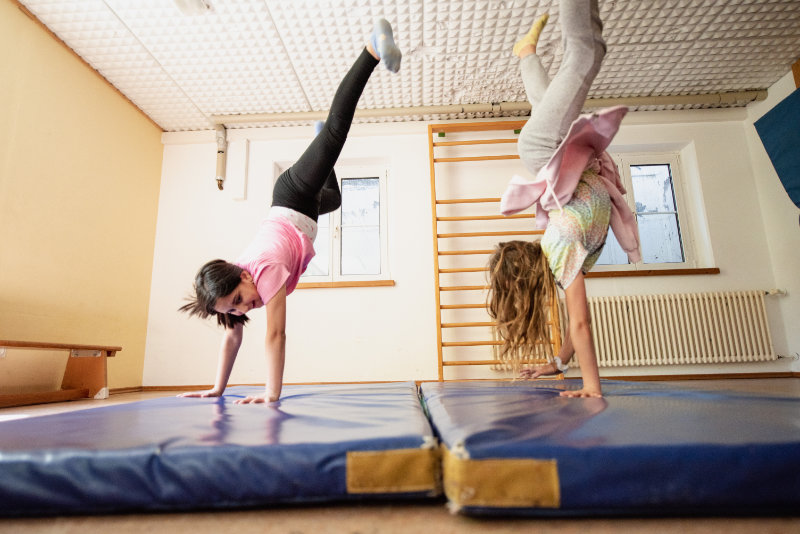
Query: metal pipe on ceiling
{"points": [[222, 154], [593, 103]]}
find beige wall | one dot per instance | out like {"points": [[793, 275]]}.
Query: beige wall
{"points": [[80, 170]]}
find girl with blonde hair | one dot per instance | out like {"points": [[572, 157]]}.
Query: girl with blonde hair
{"points": [[577, 194]]}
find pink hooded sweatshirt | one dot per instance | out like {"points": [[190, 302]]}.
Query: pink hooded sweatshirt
{"points": [[583, 148]]}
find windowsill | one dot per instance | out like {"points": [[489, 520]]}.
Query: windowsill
{"points": [[652, 272], [353, 283]]}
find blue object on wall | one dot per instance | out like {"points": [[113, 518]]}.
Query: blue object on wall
{"points": [[779, 130], [185, 453], [644, 448]]}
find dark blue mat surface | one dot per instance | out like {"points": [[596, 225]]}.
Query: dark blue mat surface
{"points": [[180, 453], [645, 448]]}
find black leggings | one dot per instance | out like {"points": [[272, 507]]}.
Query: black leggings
{"points": [[309, 186]]}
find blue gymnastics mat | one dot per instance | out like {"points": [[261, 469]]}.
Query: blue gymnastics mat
{"points": [[320, 443], [517, 448]]}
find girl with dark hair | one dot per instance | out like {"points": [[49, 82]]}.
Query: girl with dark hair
{"points": [[270, 267], [577, 194]]}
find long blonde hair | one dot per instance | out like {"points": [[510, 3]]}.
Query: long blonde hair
{"points": [[521, 289]]}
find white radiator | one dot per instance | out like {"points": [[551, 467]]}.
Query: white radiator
{"points": [[677, 329]]}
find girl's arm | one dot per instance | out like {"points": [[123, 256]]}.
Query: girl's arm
{"points": [[580, 335], [275, 348], [567, 350], [550, 368], [231, 341]]}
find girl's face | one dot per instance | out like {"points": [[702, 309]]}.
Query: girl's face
{"points": [[242, 299]]}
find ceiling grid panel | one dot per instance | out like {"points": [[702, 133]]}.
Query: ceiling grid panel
{"points": [[283, 56], [93, 31], [324, 39], [228, 60]]}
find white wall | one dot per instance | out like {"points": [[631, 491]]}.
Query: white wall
{"points": [[719, 175], [388, 333], [359, 334], [780, 217]]}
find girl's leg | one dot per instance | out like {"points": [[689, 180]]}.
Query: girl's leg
{"points": [[330, 198], [299, 187], [562, 102], [534, 77]]}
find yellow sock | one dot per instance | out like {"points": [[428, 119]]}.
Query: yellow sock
{"points": [[532, 37]]}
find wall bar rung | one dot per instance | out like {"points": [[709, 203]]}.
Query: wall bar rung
{"points": [[475, 142], [461, 306], [467, 200], [489, 362], [475, 158], [462, 288], [487, 217], [477, 126], [469, 343], [465, 325], [490, 234], [464, 270], [463, 252]]}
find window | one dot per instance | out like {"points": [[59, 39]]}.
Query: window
{"points": [[351, 242], [654, 194]]}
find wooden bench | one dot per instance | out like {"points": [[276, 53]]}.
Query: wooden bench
{"points": [[85, 375]]}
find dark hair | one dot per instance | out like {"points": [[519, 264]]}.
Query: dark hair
{"points": [[214, 280]]}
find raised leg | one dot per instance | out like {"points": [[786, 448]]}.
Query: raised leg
{"points": [[562, 101], [300, 187]]}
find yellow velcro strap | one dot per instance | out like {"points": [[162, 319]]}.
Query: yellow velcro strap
{"points": [[496, 482], [393, 471]]}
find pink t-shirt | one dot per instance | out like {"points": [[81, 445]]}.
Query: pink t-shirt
{"points": [[278, 254]]}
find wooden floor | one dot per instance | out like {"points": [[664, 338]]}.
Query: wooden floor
{"points": [[428, 517]]}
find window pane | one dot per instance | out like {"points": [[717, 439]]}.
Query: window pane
{"points": [[361, 236], [322, 246], [612, 253], [661, 238], [361, 250], [360, 201], [652, 188]]}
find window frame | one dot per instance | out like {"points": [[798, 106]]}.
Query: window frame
{"points": [[624, 163], [344, 172]]}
